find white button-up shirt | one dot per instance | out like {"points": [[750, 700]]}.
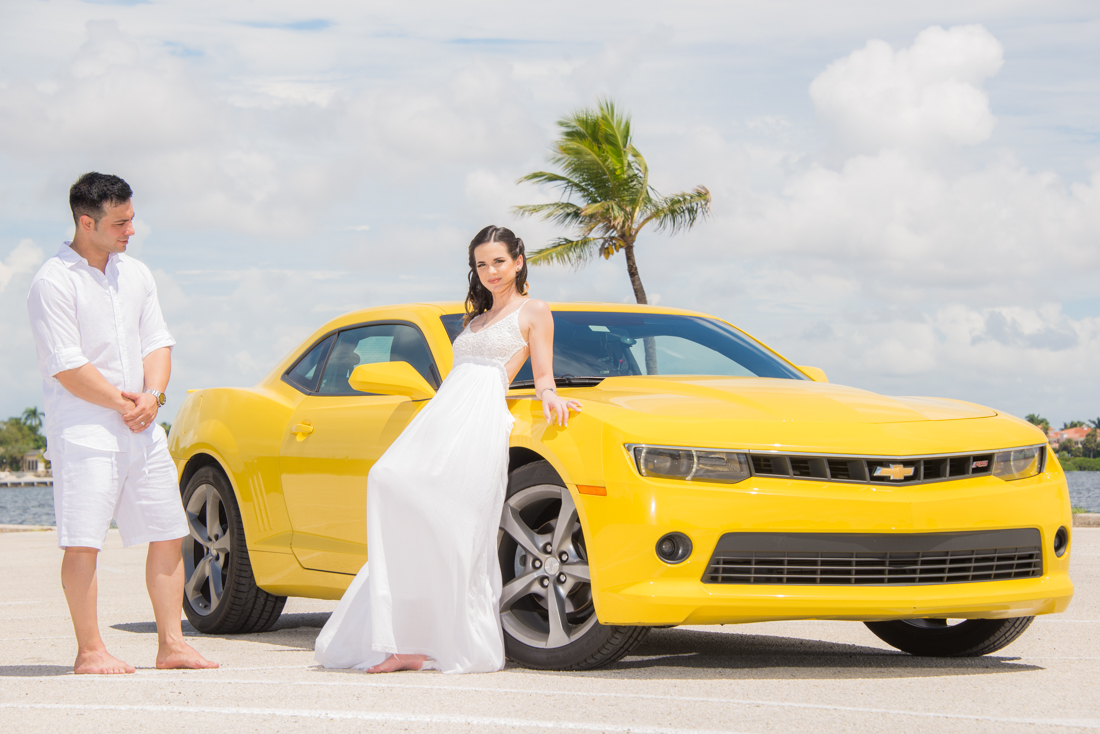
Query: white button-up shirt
{"points": [[113, 320]]}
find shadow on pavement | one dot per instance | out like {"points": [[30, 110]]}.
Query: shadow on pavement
{"points": [[297, 630], [690, 654], [694, 654], [34, 671]]}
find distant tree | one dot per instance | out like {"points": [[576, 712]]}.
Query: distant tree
{"points": [[1090, 447], [1037, 420], [606, 198], [33, 418], [17, 439], [1073, 424], [167, 427], [1095, 423]]}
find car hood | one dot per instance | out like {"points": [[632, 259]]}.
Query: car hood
{"points": [[772, 400], [761, 414]]}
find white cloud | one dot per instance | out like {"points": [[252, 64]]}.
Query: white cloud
{"points": [[18, 368], [24, 259], [923, 97]]}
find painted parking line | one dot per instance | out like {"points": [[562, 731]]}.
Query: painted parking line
{"points": [[547, 693], [367, 716]]}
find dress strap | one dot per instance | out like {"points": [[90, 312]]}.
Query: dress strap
{"points": [[516, 312]]}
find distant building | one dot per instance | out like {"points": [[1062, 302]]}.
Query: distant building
{"points": [[1075, 436], [34, 463]]}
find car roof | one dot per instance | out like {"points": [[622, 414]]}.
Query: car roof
{"points": [[433, 310]]}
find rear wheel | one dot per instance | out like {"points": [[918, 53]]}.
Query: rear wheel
{"points": [[546, 606], [950, 638], [220, 595]]}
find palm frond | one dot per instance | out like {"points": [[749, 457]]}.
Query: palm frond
{"points": [[564, 251], [568, 186], [560, 212], [679, 212]]}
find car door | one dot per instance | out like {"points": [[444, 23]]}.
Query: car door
{"points": [[336, 435]]}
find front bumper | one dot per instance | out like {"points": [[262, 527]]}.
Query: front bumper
{"points": [[631, 585]]}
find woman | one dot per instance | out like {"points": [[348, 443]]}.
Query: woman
{"points": [[428, 596]]}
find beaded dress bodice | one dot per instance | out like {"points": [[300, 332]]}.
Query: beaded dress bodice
{"points": [[496, 343]]}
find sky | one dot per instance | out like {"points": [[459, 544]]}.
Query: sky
{"points": [[906, 195]]}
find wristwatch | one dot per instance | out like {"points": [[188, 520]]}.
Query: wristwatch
{"points": [[158, 395]]}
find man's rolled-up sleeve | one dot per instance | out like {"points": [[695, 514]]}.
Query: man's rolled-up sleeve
{"points": [[152, 329], [53, 324]]}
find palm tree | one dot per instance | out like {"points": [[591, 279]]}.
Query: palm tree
{"points": [[606, 197], [1037, 420], [1072, 424], [1095, 424], [32, 417]]}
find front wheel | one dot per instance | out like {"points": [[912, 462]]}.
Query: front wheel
{"points": [[950, 638], [546, 606], [220, 595]]}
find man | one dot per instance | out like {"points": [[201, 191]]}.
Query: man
{"points": [[105, 355]]}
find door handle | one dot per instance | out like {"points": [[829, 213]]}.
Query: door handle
{"points": [[302, 429]]}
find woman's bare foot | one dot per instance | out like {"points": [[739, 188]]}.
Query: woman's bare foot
{"points": [[399, 662], [100, 662], [182, 656]]}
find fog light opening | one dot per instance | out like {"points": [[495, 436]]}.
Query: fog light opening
{"points": [[1061, 542], [674, 548]]}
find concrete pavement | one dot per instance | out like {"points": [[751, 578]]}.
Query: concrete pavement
{"points": [[777, 677]]}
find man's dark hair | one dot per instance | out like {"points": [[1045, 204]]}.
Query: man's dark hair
{"points": [[93, 193]]}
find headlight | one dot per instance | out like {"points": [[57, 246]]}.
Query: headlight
{"points": [[1018, 463], [693, 465]]}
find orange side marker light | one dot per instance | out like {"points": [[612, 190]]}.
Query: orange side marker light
{"points": [[589, 489]]}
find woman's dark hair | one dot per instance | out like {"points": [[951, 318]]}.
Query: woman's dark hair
{"points": [[479, 299], [94, 192]]}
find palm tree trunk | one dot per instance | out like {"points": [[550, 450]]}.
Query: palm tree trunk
{"points": [[632, 271], [639, 293]]}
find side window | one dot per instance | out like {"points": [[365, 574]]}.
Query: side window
{"points": [[371, 344], [452, 322], [305, 373]]}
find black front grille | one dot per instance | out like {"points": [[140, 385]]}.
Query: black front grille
{"points": [[875, 559], [875, 470]]}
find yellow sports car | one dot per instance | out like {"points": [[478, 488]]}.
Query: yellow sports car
{"points": [[707, 481]]}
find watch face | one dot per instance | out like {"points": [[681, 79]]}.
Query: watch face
{"points": [[160, 399]]}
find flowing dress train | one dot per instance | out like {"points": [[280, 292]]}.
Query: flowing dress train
{"points": [[431, 585]]}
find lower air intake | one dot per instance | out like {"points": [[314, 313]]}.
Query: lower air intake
{"points": [[875, 559]]}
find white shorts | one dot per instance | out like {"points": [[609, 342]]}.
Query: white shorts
{"points": [[138, 488]]}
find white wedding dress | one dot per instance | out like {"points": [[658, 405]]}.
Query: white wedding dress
{"points": [[431, 584]]}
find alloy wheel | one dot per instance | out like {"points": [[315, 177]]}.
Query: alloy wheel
{"points": [[206, 549], [546, 601]]}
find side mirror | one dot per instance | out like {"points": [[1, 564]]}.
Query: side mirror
{"points": [[814, 373], [390, 378]]}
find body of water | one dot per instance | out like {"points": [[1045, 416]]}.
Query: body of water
{"points": [[1084, 489], [26, 506], [34, 505]]}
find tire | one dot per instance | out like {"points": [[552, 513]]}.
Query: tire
{"points": [[551, 627], [220, 595], [938, 638]]}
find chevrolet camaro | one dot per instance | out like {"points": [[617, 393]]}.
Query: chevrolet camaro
{"points": [[708, 480]]}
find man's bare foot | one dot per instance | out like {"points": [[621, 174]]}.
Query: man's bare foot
{"points": [[100, 662], [399, 662], [182, 657]]}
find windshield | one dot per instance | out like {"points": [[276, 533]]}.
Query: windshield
{"points": [[593, 345]]}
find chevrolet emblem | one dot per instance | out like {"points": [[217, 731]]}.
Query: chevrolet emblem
{"points": [[896, 472]]}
